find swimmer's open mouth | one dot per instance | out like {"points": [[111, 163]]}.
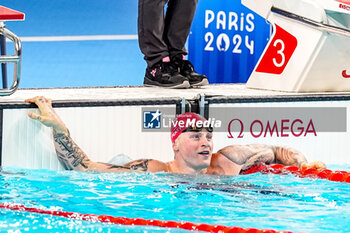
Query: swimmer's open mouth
{"points": [[204, 153]]}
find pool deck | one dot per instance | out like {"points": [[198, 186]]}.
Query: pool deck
{"points": [[142, 94]]}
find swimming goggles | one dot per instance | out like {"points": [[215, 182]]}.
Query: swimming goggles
{"points": [[194, 128]]}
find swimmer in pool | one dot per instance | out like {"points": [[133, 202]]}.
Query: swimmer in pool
{"points": [[192, 148]]}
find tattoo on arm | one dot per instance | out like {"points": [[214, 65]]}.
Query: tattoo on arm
{"points": [[259, 154], [68, 153], [288, 156], [73, 158], [138, 165], [248, 155]]}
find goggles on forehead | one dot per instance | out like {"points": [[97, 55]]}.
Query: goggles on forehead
{"points": [[194, 128]]}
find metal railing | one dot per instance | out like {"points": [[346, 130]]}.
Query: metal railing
{"points": [[311, 23], [16, 59]]}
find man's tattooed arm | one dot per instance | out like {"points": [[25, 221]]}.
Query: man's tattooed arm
{"points": [[69, 153], [248, 155], [137, 165], [289, 156], [73, 158]]}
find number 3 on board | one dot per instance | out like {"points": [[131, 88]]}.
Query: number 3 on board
{"points": [[278, 53]]}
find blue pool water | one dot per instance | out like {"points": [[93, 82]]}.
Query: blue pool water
{"points": [[257, 201]]}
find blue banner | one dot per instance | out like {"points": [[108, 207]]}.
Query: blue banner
{"points": [[226, 40]]}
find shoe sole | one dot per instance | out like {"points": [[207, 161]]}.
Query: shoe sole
{"points": [[204, 82], [184, 85]]}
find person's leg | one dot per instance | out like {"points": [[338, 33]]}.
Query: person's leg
{"points": [[160, 71], [178, 21], [151, 30]]}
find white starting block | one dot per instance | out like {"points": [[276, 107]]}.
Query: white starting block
{"points": [[309, 49], [7, 14]]}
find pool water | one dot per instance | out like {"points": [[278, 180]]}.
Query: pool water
{"points": [[279, 202]]}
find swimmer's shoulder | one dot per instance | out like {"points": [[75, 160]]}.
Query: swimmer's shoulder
{"points": [[220, 165], [157, 166]]}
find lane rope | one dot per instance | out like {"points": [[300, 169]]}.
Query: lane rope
{"points": [[337, 176], [138, 221]]}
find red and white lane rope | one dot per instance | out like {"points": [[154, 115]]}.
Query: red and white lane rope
{"points": [[138, 221], [338, 176]]}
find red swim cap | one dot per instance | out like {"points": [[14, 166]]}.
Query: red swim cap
{"points": [[183, 122]]}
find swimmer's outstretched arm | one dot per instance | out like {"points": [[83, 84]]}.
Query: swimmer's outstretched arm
{"points": [[73, 158], [69, 153], [248, 155]]}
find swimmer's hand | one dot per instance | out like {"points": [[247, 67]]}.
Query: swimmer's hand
{"points": [[48, 116], [315, 165]]}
